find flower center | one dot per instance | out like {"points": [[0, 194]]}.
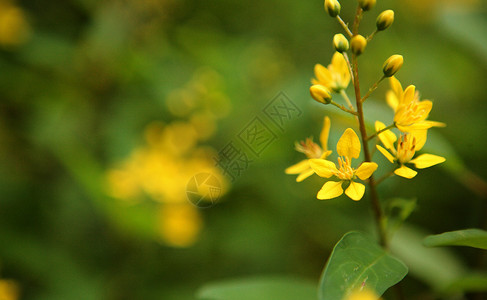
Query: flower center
{"points": [[345, 170], [412, 113], [405, 148], [309, 148]]}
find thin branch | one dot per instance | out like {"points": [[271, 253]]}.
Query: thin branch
{"points": [[353, 112], [358, 18], [345, 26], [372, 89], [371, 36], [381, 131], [345, 96], [345, 55], [376, 206]]}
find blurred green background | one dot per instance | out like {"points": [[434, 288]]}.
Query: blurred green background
{"points": [[109, 107]]}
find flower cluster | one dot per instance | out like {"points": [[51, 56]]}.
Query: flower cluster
{"points": [[410, 117]]}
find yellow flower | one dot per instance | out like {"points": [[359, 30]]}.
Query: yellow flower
{"points": [[9, 290], [336, 77], [348, 147], [14, 28], [311, 150], [179, 224], [410, 113], [406, 148], [362, 295]]}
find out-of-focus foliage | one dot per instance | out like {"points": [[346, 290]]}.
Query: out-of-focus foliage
{"points": [[108, 108]]}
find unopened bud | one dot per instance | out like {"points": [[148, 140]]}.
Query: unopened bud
{"points": [[320, 93], [366, 4], [358, 44], [340, 43], [385, 19], [392, 65], [332, 7]]}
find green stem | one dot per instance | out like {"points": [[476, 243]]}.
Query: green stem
{"points": [[371, 36], [381, 131], [343, 108], [345, 26], [358, 18], [376, 207], [345, 55], [345, 96], [372, 89]]}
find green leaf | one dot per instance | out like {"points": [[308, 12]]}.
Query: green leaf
{"points": [[476, 282], [358, 262], [259, 288], [397, 211], [437, 267], [469, 237]]}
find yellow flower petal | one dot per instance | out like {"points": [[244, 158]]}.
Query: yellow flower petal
{"points": [[326, 154], [323, 75], [298, 168], [362, 295], [427, 160], [405, 172], [365, 170], [305, 175], [408, 96], [349, 144], [324, 168], [436, 124], [386, 153], [420, 136], [396, 86], [9, 290], [325, 133], [424, 108], [331, 189], [355, 190], [392, 100], [339, 61], [388, 138], [414, 127], [340, 67]]}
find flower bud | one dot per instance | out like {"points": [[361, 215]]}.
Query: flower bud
{"points": [[385, 19], [392, 65], [366, 4], [340, 43], [320, 93], [332, 7], [358, 44]]}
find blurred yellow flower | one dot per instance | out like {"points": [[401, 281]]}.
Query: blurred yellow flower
{"points": [[311, 150], [336, 76], [14, 28], [410, 113], [179, 224], [348, 147], [9, 290], [362, 295], [161, 170], [406, 148]]}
